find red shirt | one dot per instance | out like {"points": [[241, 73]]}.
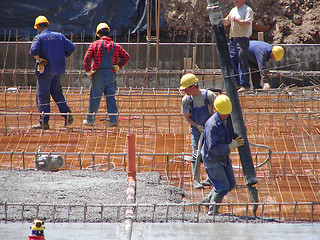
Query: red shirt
{"points": [[95, 52]]}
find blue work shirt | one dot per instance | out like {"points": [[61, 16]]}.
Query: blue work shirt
{"points": [[53, 47], [260, 52], [217, 138]]}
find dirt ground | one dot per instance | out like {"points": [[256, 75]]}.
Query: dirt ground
{"points": [[282, 21]]}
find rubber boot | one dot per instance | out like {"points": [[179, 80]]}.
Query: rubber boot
{"points": [[214, 209], [207, 199], [196, 183], [206, 182]]}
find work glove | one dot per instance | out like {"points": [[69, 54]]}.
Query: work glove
{"points": [[90, 73], [41, 63], [238, 142], [200, 128], [116, 68]]}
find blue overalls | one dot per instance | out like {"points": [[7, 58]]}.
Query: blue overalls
{"points": [[54, 47], [104, 81], [200, 115], [215, 154]]}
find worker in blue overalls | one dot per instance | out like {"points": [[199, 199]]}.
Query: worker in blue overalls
{"points": [[259, 54], [219, 140], [50, 50], [105, 54], [197, 107]]}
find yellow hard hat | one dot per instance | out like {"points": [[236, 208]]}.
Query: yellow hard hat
{"points": [[188, 80], [102, 26], [278, 52], [222, 104], [40, 19]]}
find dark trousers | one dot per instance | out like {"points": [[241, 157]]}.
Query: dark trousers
{"points": [[49, 85], [255, 74], [239, 58]]}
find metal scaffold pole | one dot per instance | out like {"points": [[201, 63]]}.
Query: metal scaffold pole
{"points": [[216, 19]]}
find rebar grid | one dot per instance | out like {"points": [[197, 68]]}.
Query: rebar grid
{"points": [[158, 110], [187, 212], [163, 142]]}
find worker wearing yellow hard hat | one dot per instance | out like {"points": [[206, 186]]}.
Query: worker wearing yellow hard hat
{"points": [[188, 80], [197, 107], [219, 139], [102, 61], [39, 20], [102, 26], [259, 54], [50, 50]]}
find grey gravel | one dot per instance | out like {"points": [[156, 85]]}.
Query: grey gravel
{"points": [[92, 196]]}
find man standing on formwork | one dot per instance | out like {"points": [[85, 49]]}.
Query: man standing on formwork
{"points": [[217, 144], [50, 50], [197, 107], [105, 54], [240, 20], [259, 54]]}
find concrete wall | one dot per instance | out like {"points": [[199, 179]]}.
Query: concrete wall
{"points": [[15, 55]]}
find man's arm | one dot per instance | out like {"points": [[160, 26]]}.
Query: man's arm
{"points": [[243, 23], [188, 118]]}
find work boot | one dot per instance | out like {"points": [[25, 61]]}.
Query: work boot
{"points": [[112, 124], [243, 89], [68, 120], [266, 86], [85, 122], [207, 199], [41, 125], [206, 182], [214, 209], [196, 183]]}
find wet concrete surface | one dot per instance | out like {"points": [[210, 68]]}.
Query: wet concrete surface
{"points": [[164, 231]]}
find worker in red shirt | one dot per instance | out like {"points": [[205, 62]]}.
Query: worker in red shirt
{"points": [[102, 72]]}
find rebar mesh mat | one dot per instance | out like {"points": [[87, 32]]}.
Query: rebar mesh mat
{"points": [[286, 121]]}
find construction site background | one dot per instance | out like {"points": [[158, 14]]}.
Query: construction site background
{"points": [[284, 118]]}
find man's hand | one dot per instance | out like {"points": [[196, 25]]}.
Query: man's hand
{"points": [[41, 63], [238, 142], [90, 73], [200, 128], [116, 68]]}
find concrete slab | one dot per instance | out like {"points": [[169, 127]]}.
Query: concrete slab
{"points": [[164, 231]]}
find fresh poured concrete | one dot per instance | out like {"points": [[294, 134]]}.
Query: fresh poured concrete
{"points": [[166, 231]]}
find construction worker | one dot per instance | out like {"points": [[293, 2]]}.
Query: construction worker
{"points": [[197, 107], [217, 144], [259, 54], [240, 20], [50, 50], [104, 53]]}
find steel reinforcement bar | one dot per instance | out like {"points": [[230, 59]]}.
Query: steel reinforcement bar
{"points": [[164, 122], [167, 212], [89, 161]]}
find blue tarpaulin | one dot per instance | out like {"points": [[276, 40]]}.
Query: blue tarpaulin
{"points": [[73, 16]]}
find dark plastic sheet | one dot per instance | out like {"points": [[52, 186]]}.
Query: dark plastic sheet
{"points": [[73, 16]]}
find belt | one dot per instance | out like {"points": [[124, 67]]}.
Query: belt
{"points": [[238, 37]]}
